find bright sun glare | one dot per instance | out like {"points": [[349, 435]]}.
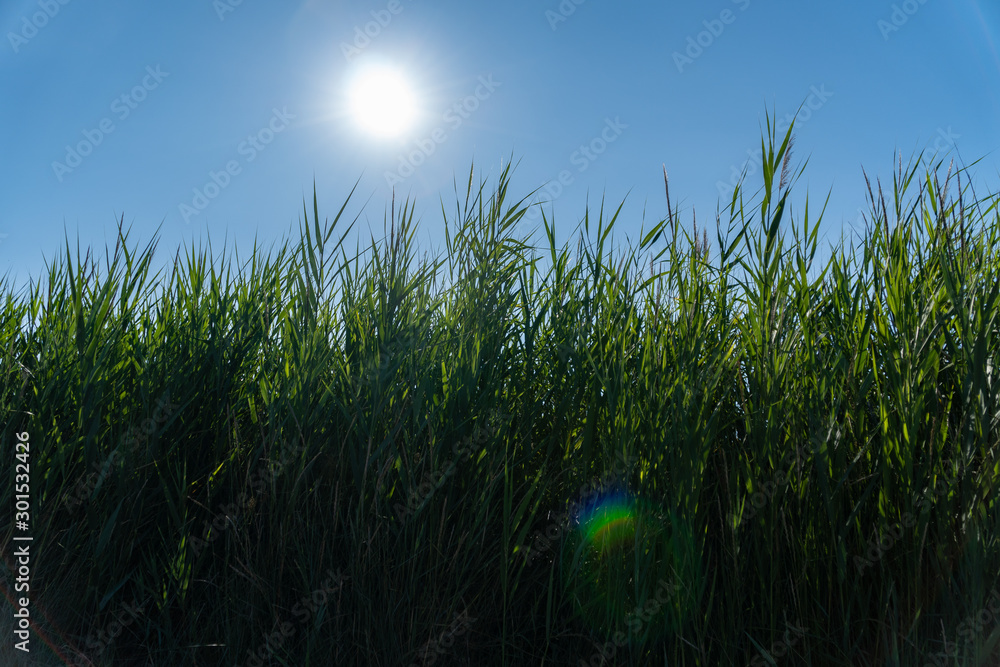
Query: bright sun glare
{"points": [[382, 102]]}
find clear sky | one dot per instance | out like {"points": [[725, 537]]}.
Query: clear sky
{"points": [[213, 117]]}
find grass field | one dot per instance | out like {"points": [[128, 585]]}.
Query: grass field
{"points": [[686, 453]]}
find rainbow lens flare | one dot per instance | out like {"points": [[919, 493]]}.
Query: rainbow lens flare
{"points": [[631, 572], [610, 525]]}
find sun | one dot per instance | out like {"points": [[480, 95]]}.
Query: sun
{"points": [[382, 101]]}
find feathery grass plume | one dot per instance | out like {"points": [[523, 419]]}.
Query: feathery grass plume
{"points": [[784, 164], [701, 247]]}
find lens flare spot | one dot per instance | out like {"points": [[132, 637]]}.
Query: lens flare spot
{"points": [[610, 524], [631, 569]]}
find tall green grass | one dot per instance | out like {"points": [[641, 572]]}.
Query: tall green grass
{"points": [[808, 445]]}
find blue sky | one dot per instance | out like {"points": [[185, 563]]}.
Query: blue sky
{"points": [[213, 118]]}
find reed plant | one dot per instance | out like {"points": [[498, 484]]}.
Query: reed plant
{"points": [[326, 457]]}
